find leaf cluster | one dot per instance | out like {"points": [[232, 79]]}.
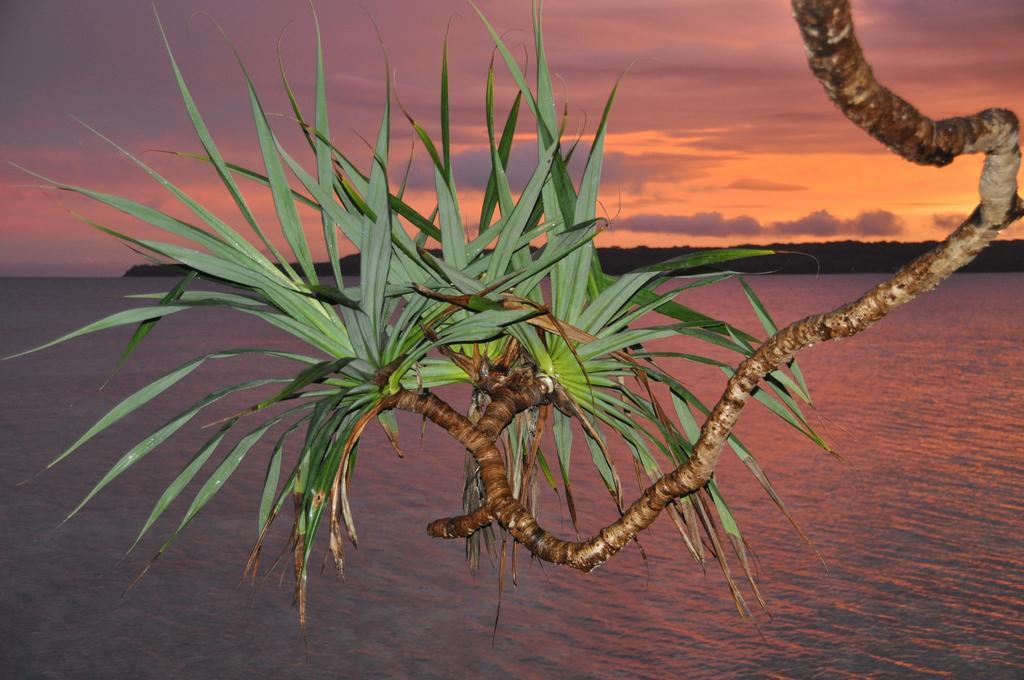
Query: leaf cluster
{"points": [[519, 284]]}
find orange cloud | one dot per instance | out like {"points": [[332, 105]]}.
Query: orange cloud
{"points": [[718, 115]]}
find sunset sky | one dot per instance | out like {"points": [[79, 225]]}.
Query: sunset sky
{"points": [[719, 135]]}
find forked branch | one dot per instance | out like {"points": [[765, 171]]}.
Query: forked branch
{"points": [[836, 59]]}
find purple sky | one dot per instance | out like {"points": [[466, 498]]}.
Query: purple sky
{"points": [[719, 135]]}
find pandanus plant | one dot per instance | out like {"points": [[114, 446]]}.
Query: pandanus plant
{"points": [[517, 307]]}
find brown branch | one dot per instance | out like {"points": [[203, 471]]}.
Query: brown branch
{"points": [[837, 60], [460, 526], [518, 392]]}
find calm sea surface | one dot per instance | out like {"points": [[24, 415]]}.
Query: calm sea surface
{"points": [[921, 524]]}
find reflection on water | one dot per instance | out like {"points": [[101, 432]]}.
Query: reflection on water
{"points": [[920, 525]]}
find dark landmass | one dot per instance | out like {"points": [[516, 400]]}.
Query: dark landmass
{"points": [[836, 257]]}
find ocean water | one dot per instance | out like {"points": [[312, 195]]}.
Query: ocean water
{"points": [[920, 523]]}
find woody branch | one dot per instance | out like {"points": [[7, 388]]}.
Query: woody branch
{"points": [[837, 60]]}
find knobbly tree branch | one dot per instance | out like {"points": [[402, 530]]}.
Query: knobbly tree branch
{"points": [[836, 59]]}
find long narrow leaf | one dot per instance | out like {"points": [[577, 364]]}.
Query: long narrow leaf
{"points": [[128, 316], [214, 156], [182, 479], [147, 445], [287, 215], [145, 327]]}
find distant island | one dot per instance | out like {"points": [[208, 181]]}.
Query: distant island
{"points": [[835, 257]]}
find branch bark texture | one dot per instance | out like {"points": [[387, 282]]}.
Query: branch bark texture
{"points": [[836, 59]]}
